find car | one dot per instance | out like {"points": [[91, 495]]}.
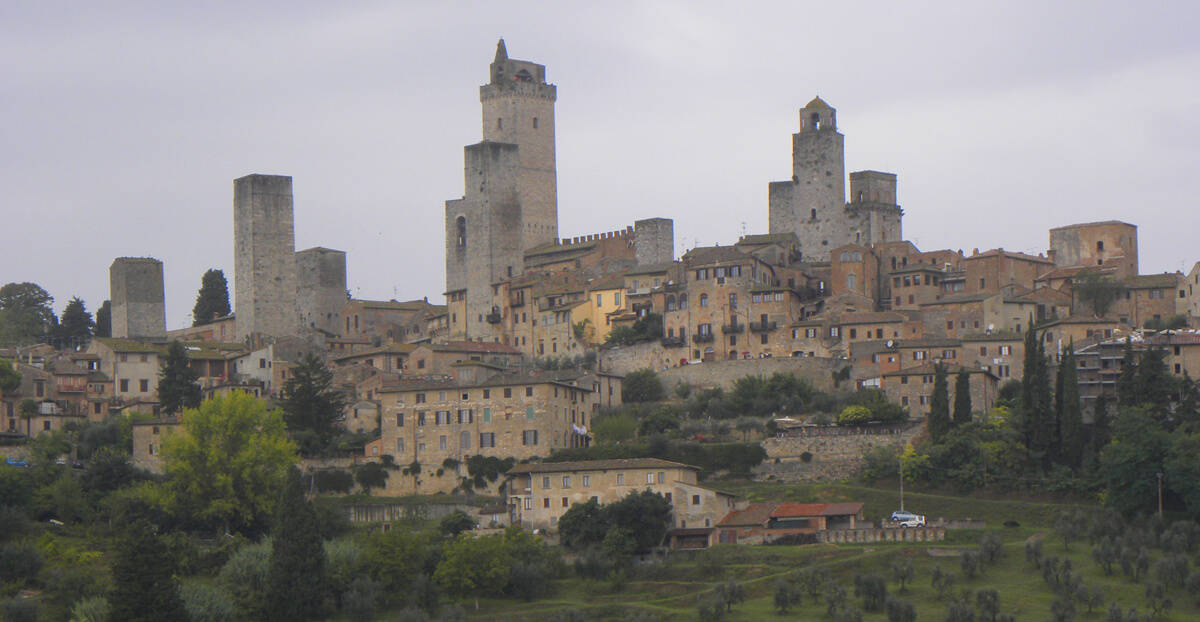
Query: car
{"points": [[900, 515], [907, 519]]}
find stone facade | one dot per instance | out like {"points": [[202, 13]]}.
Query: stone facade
{"points": [[264, 256], [136, 291], [835, 453], [654, 241], [813, 205], [1110, 243], [321, 287]]}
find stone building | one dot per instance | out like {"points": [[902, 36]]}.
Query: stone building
{"points": [[321, 288], [136, 291], [654, 241], [264, 257], [510, 200], [1109, 243], [540, 493], [813, 206], [913, 388]]}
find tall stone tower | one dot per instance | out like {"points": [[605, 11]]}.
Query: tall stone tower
{"points": [[264, 257], [813, 203], [135, 287], [510, 201], [320, 287], [654, 241]]}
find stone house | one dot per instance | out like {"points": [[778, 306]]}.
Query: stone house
{"points": [[913, 388], [148, 438], [1111, 244], [222, 329], [388, 357], [719, 284], [436, 359], [995, 270], [540, 493], [1003, 354], [975, 313], [390, 320], [805, 518], [1152, 297]]}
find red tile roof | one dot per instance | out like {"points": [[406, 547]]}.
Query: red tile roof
{"points": [[790, 510]]}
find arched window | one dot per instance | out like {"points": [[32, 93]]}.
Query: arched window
{"points": [[703, 300], [683, 299], [460, 228], [671, 303], [815, 120]]}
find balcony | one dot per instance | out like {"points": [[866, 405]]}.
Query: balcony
{"points": [[733, 329], [702, 338], [763, 327], [673, 342], [493, 317]]}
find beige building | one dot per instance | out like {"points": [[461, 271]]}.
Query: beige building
{"points": [[912, 388], [540, 493]]}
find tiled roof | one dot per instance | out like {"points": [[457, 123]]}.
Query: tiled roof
{"points": [[755, 514], [474, 346], [713, 254], [766, 238], [1147, 281], [600, 465], [1066, 273], [997, 252], [789, 510], [393, 348], [1091, 224]]}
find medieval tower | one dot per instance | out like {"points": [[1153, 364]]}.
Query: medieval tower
{"points": [[510, 200], [264, 256], [813, 203], [320, 287], [135, 286]]}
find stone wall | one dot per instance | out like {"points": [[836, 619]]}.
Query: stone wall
{"points": [[624, 359], [835, 457], [389, 512], [854, 536]]}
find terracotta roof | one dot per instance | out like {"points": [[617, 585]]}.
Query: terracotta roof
{"points": [[1066, 273], [817, 102], [755, 514], [1148, 281], [392, 348], [393, 305], [600, 465], [766, 238], [713, 254], [997, 252], [1092, 224], [1046, 294], [789, 510], [474, 346]]}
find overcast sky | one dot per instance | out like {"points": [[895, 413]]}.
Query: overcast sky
{"points": [[124, 124]]}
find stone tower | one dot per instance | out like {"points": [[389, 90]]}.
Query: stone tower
{"points": [[813, 203], [654, 241], [135, 287], [510, 200], [264, 257], [320, 287]]}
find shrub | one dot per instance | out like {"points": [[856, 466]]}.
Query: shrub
{"points": [[207, 603]]}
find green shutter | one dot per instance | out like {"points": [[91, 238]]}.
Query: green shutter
{"points": [[487, 415], [529, 412]]}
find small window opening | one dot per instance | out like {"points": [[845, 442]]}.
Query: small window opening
{"points": [[535, 123], [815, 121], [460, 225]]}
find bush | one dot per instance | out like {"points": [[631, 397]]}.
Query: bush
{"points": [[245, 576], [642, 385], [95, 609], [19, 563], [361, 599], [19, 610], [207, 603], [333, 480]]}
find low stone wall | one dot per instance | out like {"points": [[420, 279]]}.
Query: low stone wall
{"points": [[854, 536], [665, 361], [389, 512], [834, 457]]}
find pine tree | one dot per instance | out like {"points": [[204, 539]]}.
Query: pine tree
{"points": [[1071, 421], [144, 586], [76, 325], [962, 397], [213, 299], [104, 320], [939, 411], [311, 405], [296, 582], [178, 385]]}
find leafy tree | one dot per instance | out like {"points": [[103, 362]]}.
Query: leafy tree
{"points": [[25, 313], [903, 572], [77, 325], [213, 299], [95, 609], [311, 405], [227, 464], [1129, 465], [900, 611], [785, 595], [104, 319], [939, 411], [296, 584], [333, 480], [731, 593], [1096, 291], [474, 566], [854, 415], [178, 383], [370, 475], [1036, 421], [646, 514], [642, 385], [362, 599], [988, 603], [245, 576], [873, 591], [397, 557], [455, 523], [1182, 470], [583, 525], [206, 602], [960, 612], [962, 397], [144, 585], [10, 378]]}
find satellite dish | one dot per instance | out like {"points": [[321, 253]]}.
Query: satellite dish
{"points": [[890, 344]]}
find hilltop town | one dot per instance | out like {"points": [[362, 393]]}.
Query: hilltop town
{"points": [[561, 371]]}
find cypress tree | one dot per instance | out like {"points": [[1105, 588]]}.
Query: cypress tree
{"points": [[144, 586], [962, 397], [178, 383], [1071, 418], [213, 299], [1056, 445], [104, 320], [1025, 420], [76, 325], [939, 411], [1127, 385], [296, 582], [1041, 408]]}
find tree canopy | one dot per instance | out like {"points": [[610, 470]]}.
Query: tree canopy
{"points": [[144, 584], [77, 325], [1096, 291], [939, 409], [227, 463], [26, 315], [178, 383], [10, 378], [642, 385], [644, 517], [104, 319], [311, 405], [296, 582], [213, 299]]}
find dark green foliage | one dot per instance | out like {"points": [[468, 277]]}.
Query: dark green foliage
{"points": [[10, 379], [642, 516], [1071, 433], [737, 458], [873, 591], [903, 572], [647, 328], [970, 564], [19, 563], [370, 475], [960, 612], [484, 470], [25, 314], [77, 326], [988, 604], [104, 319], [786, 595], [731, 593], [207, 603], [1170, 323], [178, 383], [333, 480], [361, 600], [144, 585], [212, 301], [900, 611], [108, 469], [455, 523], [1096, 291], [245, 576], [1129, 465], [939, 410], [642, 385], [19, 610], [962, 397], [296, 583], [311, 405], [114, 433], [529, 580]]}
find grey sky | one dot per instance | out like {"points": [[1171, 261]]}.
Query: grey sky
{"points": [[125, 124]]}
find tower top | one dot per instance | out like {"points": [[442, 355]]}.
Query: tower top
{"points": [[508, 72], [817, 115], [816, 103], [501, 51]]}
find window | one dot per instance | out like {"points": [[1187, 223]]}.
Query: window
{"points": [[529, 437], [535, 123], [545, 481], [703, 300], [442, 442], [617, 298], [851, 281], [662, 477], [566, 481], [529, 412], [528, 391], [528, 503], [587, 481], [420, 398], [903, 379], [733, 302], [464, 440], [487, 415], [487, 394], [649, 478], [399, 445], [833, 331], [1005, 350], [420, 417], [620, 479], [399, 420], [695, 499], [924, 400], [904, 400], [487, 439], [546, 503], [919, 355], [599, 300], [982, 350], [46, 424], [565, 503], [853, 333], [144, 385]]}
